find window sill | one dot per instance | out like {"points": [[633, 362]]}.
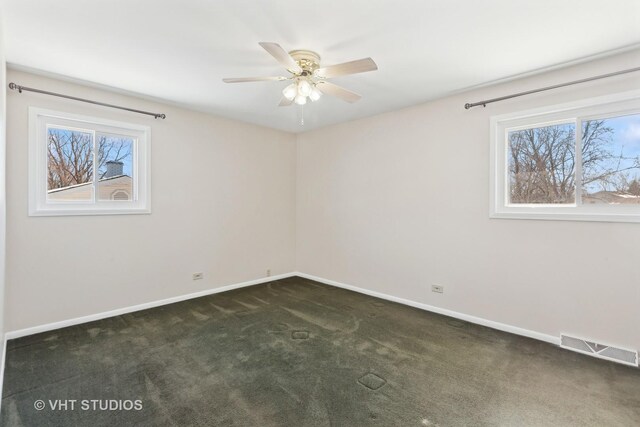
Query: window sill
{"points": [[568, 216], [85, 212]]}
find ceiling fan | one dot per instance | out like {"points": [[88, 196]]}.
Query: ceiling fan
{"points": [[309, 79]]}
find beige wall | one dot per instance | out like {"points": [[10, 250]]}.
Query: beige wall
{"points": [[398, 202], [393, 204], [223, 203]]}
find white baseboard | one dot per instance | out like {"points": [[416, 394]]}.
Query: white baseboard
{"points": [[117, 312], [472, 319], [4, 356], [468, 318]]}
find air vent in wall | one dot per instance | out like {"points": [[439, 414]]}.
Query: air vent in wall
{"points": [[620, 355]]}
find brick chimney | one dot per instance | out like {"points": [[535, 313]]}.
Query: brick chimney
{"points": [[114, 169]]}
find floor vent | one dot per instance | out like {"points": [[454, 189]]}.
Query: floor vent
{"points": [[602, 351]]}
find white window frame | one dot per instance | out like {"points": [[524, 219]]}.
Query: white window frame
{"points": [[40, 205], [601, 107]]}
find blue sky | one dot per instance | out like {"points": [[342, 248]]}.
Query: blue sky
{"points": [[625, 139], [626, 133]]}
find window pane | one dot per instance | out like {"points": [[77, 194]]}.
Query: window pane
{"points": [[115, 170], [541, 165], [611, 161], [69, 164]]}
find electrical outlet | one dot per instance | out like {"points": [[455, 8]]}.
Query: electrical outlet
{"points": [[437, 289], [269, 273], [197, 276]]}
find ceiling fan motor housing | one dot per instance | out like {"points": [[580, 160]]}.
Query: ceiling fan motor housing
{"points": [[307, 60]]}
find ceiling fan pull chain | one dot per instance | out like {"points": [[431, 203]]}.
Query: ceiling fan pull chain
{"points": [[301, 115]]}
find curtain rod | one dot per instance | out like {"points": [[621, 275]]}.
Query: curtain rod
{"points": [[502, 98], [19, 88]]}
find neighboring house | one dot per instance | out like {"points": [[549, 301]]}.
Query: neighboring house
{"points": [[610, 198], [115, 185]]}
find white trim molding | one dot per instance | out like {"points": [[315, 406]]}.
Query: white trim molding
{"points": [[40, 201], [573, 114], [125, 310], [4, 358], [117, 312], [467, 318]]}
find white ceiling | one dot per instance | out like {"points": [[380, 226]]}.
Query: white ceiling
{"points": [[180, 50]]}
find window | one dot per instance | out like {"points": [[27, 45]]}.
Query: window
{"points": [[578, 161], [86, 166]]}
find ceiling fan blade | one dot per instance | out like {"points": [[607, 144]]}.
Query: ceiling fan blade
{"points": [[253, 79], [284, 102], [338, 92], [281, 56], [352, 67]]}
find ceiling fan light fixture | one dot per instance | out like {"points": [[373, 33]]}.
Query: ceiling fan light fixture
{"points": [[315, 94], [290, 91], [304, 88], [301, 99]]}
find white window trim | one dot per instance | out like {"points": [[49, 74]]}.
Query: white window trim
{"points": [[600, 107], [39, 205]]}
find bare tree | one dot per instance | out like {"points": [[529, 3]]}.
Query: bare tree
{"points": [[71, 160], [542, 163], [634, 187], [600, 164]]}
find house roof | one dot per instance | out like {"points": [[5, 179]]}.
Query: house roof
{"points": [[57, 190]]}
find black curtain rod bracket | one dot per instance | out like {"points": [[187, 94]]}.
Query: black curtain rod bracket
{"points": [[19, 88]]}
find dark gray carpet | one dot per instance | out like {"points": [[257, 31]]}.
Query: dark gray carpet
{"points": [[298, 353]]}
